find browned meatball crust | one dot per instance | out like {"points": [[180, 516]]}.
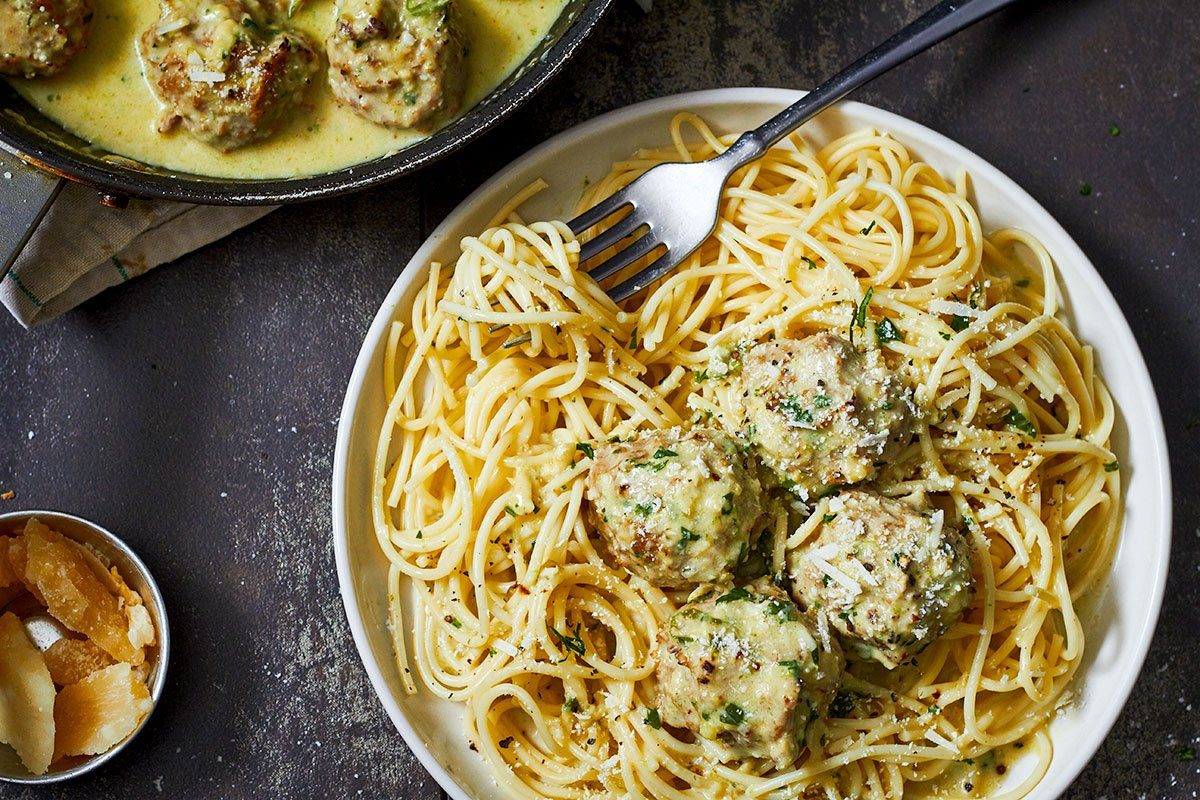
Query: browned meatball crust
{"points": [[397, 62], [225, 70], [39, 37]]}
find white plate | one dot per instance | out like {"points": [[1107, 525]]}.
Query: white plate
{"points": [[1124, 613]]}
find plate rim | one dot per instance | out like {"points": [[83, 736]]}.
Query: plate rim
{"points": [[1086, 747]]}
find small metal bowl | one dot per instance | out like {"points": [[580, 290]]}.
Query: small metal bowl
{"points": [[112, 550]]}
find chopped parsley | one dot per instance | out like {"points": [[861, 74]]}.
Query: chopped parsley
{"points": [[973, 297], [727, 504], [1022, 282], [797, 414], [686, 537], [886, 331], [571, 705], [572, 643], [828, 518], [1113, 130], [809, 262], [586, 449], [733, 594], [633, 339], [1185, 753], [959, 323], [454, 621], [1112, 466], [860, 314], [1085, 189], [643, 509], [844, 703], [795, 667], [821, 401], [865, 231], [653, 719], [700, 375], [512, 512], [782, 609], [421, 8], [657, 462], [732, 714], [1017, 421]]}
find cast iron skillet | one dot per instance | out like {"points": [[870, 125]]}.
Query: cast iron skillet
{"points": [[56, 154]]}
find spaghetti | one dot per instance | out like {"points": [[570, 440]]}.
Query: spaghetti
{"points": [[514, 361]]}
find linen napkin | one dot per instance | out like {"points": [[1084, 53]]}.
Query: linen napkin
{"points": [[82, 248]]}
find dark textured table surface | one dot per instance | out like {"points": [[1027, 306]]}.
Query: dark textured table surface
{"points": [[193, 410]]}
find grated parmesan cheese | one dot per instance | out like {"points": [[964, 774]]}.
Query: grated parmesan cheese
{"points": [[170, 26], [954, 307], [836, 574], [823, 629], [863, 573], [198, 72], [937, 519]]}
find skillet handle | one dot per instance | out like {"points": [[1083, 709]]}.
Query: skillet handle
{"points": [[26, 194]]}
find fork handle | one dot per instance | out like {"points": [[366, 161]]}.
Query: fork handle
{"points": [[940, 22]]}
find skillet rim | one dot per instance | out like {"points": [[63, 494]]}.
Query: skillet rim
{"points": [[124, 182]]}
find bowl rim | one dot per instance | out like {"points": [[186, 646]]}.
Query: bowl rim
{"points": [[1133, 654], [162, 634]]}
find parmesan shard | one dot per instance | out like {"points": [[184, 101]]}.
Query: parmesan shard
{"points": [[100, 711], [26, 697], [505, 647]]}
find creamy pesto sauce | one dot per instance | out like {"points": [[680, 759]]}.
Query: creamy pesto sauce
{"points": [[102, 96]]}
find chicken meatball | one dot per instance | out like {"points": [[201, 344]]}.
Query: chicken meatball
{"points": [[890, 578], [225, 70], [39, 37], [676, 507], [397, 62], [745, 671], [821, 412]]}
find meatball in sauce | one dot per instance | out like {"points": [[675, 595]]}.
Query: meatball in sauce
{"points": [[821, 412], [226, 70], [889, 577], [396, 62], [744, 670], [39, 37], [677, 508]]}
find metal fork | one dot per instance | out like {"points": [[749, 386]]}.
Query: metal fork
{"points": [[675, 205]]}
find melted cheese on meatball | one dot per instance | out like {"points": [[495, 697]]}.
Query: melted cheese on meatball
{"points": [[676, 507], [743, 670], [890, 578], [821, 412]]}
